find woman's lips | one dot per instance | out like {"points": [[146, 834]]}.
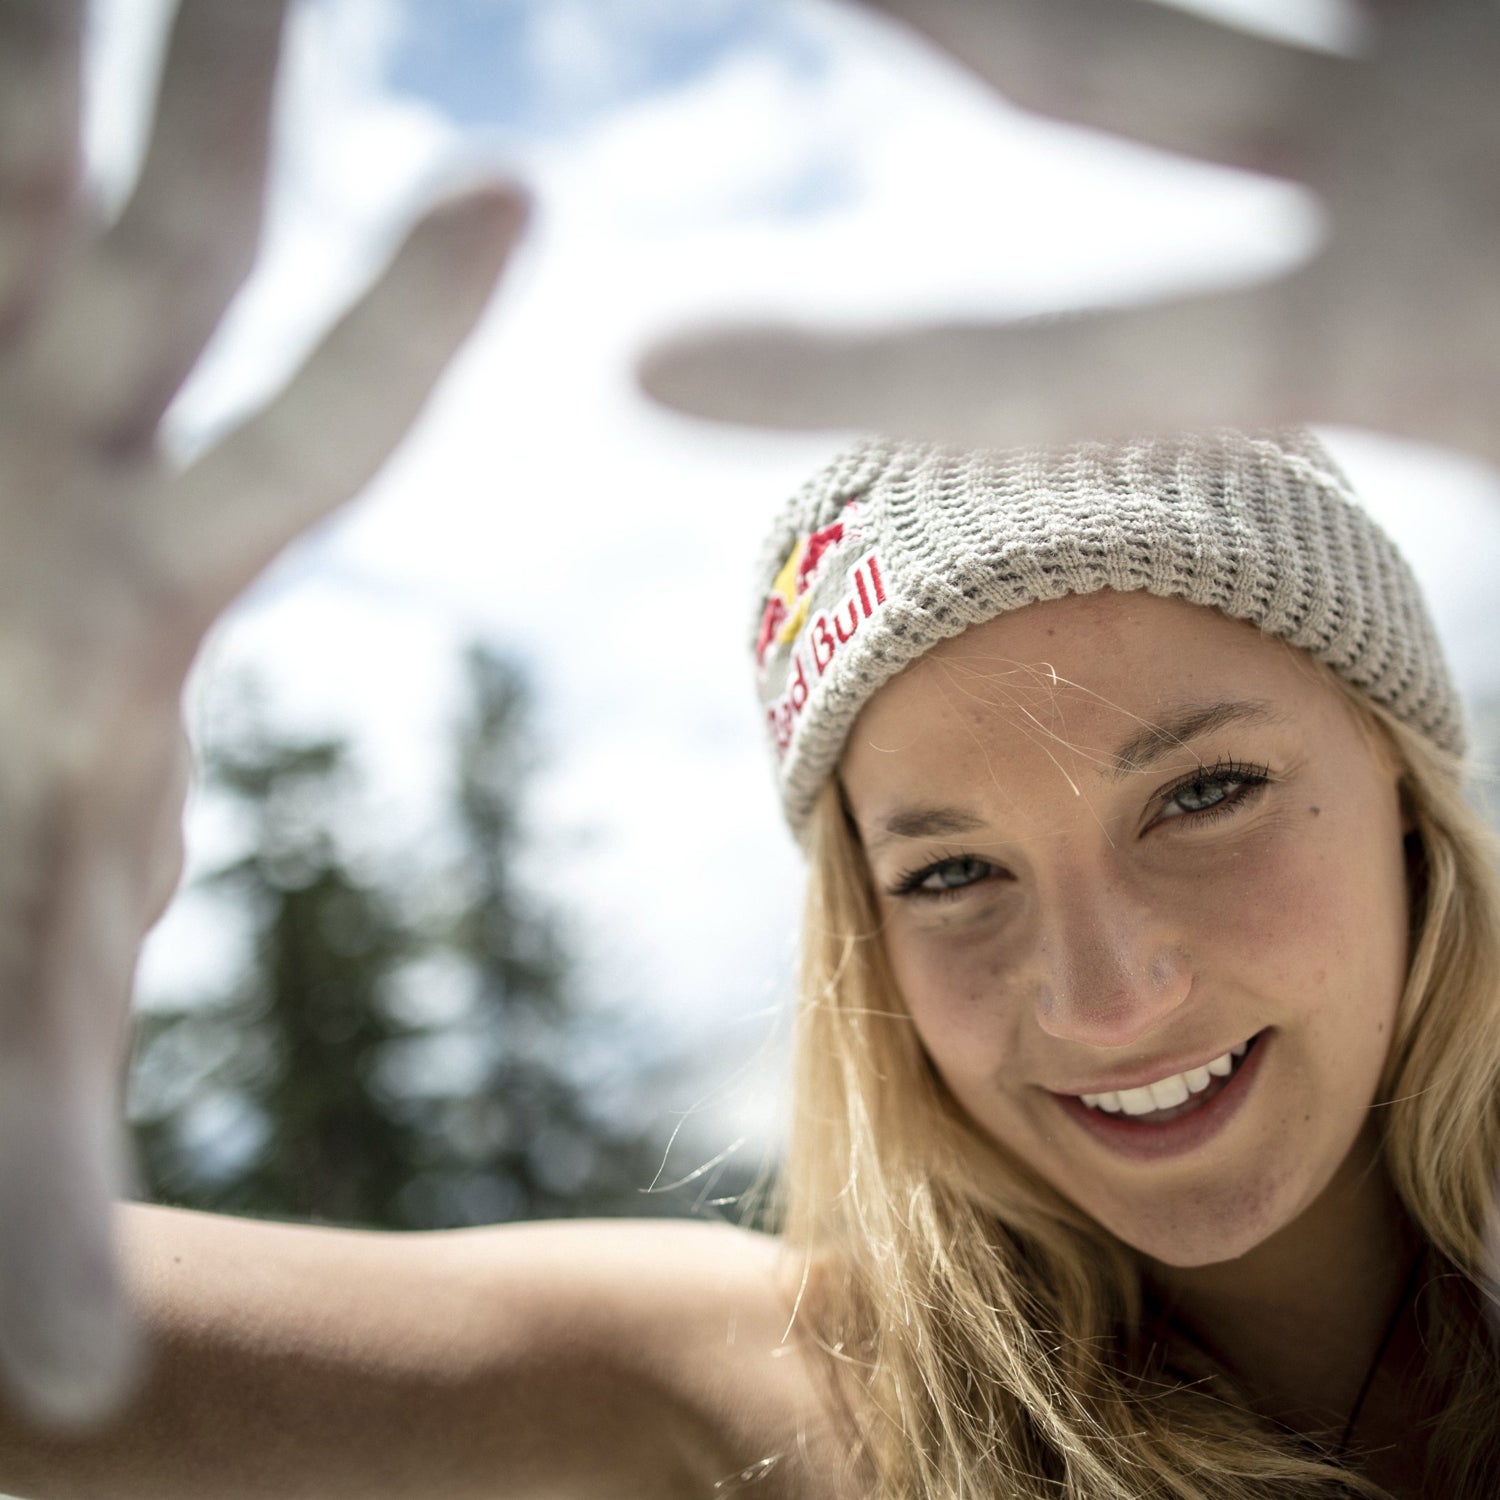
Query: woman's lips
{"points": [[1177, 1130]]}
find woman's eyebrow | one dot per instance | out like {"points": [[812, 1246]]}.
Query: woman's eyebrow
{"points": [[1171, 732], [925, 823]]}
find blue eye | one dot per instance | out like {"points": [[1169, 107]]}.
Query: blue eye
{"points": [[1212, 790], [946, 877]]}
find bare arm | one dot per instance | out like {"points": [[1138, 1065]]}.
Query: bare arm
{"points": [[600, 1360], [578, 1361], [612, 1360], [113, 566]]}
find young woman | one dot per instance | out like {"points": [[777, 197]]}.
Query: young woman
{"points": [[1145, 1125], [1145, 1132], [1146, 1120]]}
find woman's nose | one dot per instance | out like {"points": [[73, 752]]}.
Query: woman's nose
{"points": [[1110, 970]]}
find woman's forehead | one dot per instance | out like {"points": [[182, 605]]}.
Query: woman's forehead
{"points": [[1111, 675]]}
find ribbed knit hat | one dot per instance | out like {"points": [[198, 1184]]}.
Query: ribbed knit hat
{"points": [[897, 546]]}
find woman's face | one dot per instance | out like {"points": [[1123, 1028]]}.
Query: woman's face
{"points": [[1144, 892]]}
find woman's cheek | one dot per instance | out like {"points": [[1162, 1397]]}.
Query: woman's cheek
{"points": [[1263, 909], [958, 987], [1286, 895], [1313, 933]]}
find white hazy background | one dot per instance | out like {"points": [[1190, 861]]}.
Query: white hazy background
{"points": [[728, 158]]}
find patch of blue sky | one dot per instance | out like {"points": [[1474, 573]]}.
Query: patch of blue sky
{"points": [[819, 186], [543, 68]]}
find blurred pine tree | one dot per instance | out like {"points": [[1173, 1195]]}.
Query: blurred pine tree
{"points": [[405, 1047]]}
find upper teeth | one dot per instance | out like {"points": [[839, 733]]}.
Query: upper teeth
{"points": [[1166, 1093]]}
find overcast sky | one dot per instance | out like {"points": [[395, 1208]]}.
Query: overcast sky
{"points": [[690, 160]]}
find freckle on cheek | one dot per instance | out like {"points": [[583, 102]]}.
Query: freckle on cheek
{"points": [[1315, 810]]}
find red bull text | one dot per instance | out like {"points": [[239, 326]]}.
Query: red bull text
{"points": [[826, 634]]}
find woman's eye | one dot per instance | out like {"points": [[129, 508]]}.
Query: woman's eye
{"points": [[1219, 788], [1202, 794], [943, 878]]}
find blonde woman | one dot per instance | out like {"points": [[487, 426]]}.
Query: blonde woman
{"points": [[1145, 1137], [1145, 1124]]}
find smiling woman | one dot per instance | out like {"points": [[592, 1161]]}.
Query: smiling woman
{"points": [[1121, 921], [1147, 1116], [1150, 1037]]}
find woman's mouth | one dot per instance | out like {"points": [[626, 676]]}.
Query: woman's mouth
{"points": [[1173, 1096], [1172, 1114]]}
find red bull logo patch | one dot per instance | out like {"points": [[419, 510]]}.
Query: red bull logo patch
{"points": [[816, 641]]}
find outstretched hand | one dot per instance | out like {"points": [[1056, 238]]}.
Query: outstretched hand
{"points": [[114, 565], [1395, 324]]}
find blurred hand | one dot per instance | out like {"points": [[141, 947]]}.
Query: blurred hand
{"points": [[1394, 325], [112, 567]]}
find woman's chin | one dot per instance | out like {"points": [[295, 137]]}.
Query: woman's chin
{"points": [[1207, 1230]]}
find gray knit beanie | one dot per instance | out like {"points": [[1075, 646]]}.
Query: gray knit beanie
{"points": [[896, 546]]}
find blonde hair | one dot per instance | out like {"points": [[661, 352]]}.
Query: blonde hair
{"points": [[992, 1340]]}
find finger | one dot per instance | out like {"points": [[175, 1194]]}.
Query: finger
{"points": [[188, 236], [1140, 69], [325, 435], [69, 1346], [1224, 360], [69, 1349], [40, 46]]}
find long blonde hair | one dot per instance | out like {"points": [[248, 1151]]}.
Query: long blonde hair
{"points": [[992, 1340]]}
